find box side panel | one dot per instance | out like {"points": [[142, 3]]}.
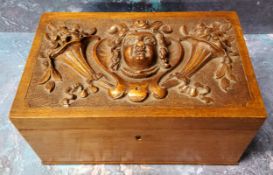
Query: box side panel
{"points": [[155, 146], [165, 145]]}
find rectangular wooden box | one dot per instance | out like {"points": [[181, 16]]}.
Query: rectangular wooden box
{"points": [[168, 87]]}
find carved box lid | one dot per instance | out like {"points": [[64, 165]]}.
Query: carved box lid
{"points": [[171, 64]]}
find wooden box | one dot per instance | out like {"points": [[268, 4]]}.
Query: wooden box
{"points": [[169, 87]]}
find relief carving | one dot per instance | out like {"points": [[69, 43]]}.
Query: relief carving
{"points": [[139, 59], [209, 42], [66, 45]]}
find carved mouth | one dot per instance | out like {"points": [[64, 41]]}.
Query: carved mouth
{"points": [[139, 53]]}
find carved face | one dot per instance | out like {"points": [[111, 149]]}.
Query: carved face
{"points": [[139, 50]]}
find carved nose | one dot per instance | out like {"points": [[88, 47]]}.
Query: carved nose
{"points": [[140, 44]]}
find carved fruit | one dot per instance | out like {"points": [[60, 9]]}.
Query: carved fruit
{"points": [[66, 102], [84, 93], [137, 94], [158, 91], [193, 92], [94, 89], [117, 92], [183, 88]]}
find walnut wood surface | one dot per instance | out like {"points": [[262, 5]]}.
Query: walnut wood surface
{"points": [[192, 99]]}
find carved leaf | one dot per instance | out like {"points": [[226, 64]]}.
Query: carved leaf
{"points": [[51, 27], [233, 51], [216, 24], [221, 71], [45, 63], [207, 99], [92, 31], [118, 29], [204, 91], [225, 83], [47, 37], [231, 77], [56, 75], [225, 27], [51, 37], [183, 30], [156, 25], [170, 83], [198, 85], [45, 77], [75, 27], [230, 38], [229, 74], [163, 52], [53, 45], [49, 86], [113, 29], [179, 76], [167, 29]]}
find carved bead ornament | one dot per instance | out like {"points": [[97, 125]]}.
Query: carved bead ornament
{"points": [[138, 60]]}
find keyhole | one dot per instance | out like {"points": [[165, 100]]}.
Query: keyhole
{"points": [[138, 137]]}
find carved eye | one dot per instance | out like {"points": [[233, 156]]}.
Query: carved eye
{"points": [[130, 41], [149, 40]]}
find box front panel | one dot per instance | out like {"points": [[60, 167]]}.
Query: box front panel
{"points": [[135, 140], [139, 146]]}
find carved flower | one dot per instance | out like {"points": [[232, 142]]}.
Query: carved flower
{"points": [[218, 34], [58, 37]]}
